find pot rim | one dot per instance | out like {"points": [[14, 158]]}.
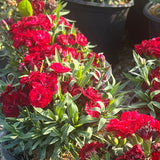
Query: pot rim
{"points": [[148, 15], [102, 5]]}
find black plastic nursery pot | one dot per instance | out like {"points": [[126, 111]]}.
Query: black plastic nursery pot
{"points": [[102, 24], [154, 21], [137, 23]]}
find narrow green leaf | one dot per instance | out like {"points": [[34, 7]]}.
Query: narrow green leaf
{"points": [[54, 140], [87, 119], [101, 123], [156, 104]]}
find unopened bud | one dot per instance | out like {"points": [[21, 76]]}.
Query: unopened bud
{"points": [[115, 141], [4, 23], [102, 59], [122, 141]]}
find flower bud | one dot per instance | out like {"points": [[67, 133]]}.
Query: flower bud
{"points": [[102, 59], [108, 138], [122, 142], [147, 146], [4, 23], [115, 141]]}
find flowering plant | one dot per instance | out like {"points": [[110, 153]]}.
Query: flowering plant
{"points": [[133, 137], [145, 75], [59, 93]]}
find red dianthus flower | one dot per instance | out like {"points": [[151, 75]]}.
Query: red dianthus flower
{"points": [[88, 149]]}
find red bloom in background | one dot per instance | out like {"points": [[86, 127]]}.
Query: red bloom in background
{"points": [[40, 96], [81, 39], [131, 122], [149, 47], [96, 58], [155, 156], [155, 73], [58, 68], [63, 20], [23, 94], [31, 38], [68, 39], [8, 89], [47, 80], [154, 78], [135, 153], [62, 39], [92, 94], [88, 149], [10, 107], [38, 6], [71, 39], [89, 106]]}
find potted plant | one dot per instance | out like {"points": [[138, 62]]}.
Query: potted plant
{"points": [[58, 93], [151, 11], [103, 22], [145, 77], [132, 136]]}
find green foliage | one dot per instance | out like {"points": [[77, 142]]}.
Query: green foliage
{"points": [[155, 1], [139, 75], [25, 8]]}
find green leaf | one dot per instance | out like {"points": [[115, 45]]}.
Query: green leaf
{"points": [[156, 104], [42, 152], [154, 93], [66, 130], [86, 79], [87, 67], [54, 140], [101, 123], [87, 119], [107, 156], [138, 105], [25, 8], [48, 130], [37, 143]]}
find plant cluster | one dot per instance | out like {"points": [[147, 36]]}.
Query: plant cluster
{"points": [[58, 93], [133, 136], [59, 96], [145, 76]]}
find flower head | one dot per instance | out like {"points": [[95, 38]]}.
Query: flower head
{"points": [[88, 149], [135, 153]]}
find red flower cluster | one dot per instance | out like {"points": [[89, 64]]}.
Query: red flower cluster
{"points": [[133, 122], [93, 98], [154, 78], [12, 99], [149, 47], [32, 34], [38, 6], [135, 153], [90, 98], [88, 149], [155, 156]]}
